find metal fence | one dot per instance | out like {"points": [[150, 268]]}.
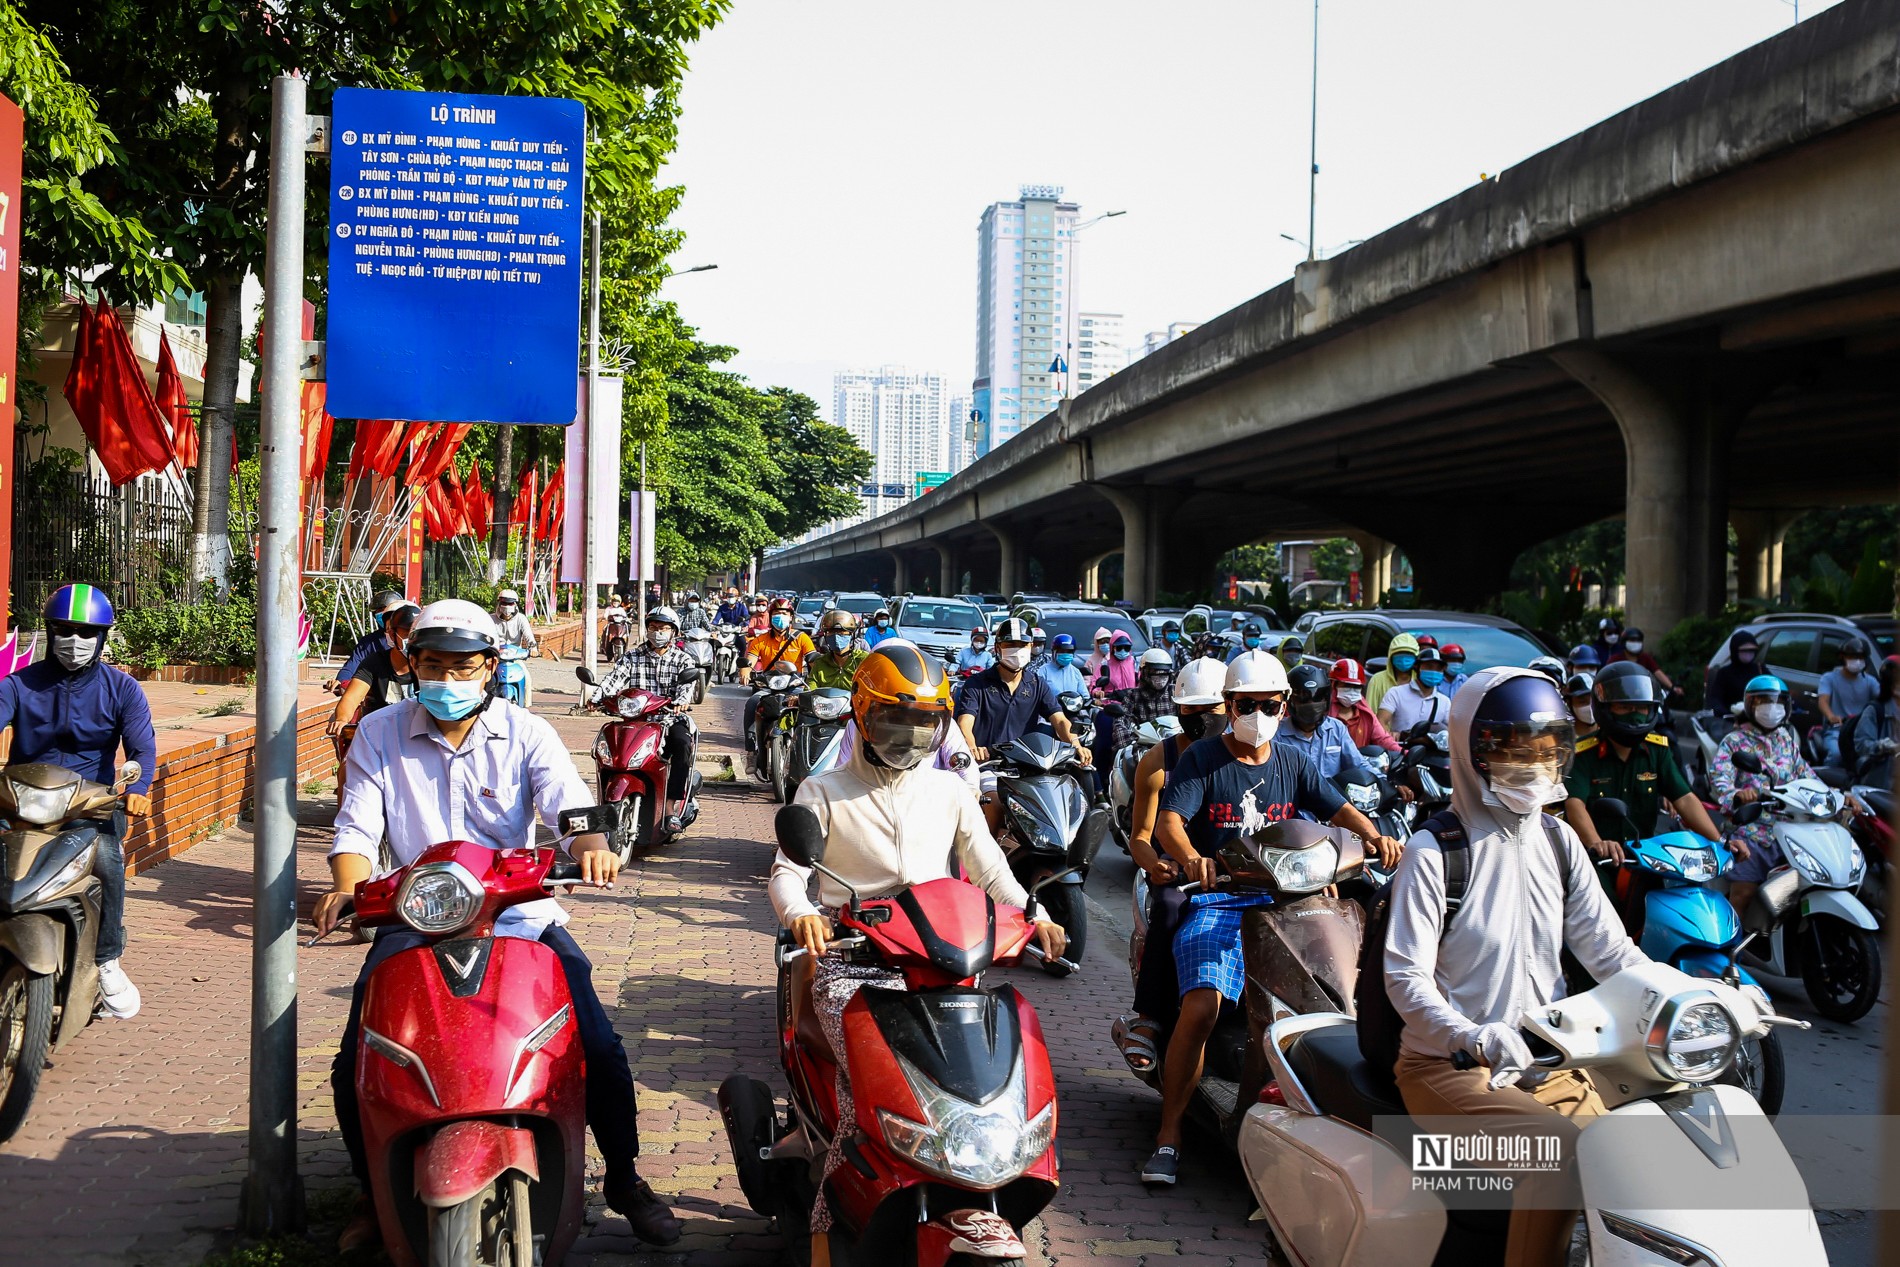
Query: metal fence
{"points": [[135, 541]]}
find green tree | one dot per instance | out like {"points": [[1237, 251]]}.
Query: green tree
{"points": [[819, 465]]}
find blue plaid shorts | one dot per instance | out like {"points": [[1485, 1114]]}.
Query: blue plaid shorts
{"points": [[1207, 953]]}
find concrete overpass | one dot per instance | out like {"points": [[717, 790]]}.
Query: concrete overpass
{"points": [[1688, 315]]}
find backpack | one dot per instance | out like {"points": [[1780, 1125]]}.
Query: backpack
{"points": [[1379, 1022]]}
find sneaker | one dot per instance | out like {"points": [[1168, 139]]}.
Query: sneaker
{"points": [[645, 1213], [116, 991], [1164, 1167]]}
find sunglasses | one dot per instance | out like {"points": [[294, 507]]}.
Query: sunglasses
{"points": [[1244, 707]]}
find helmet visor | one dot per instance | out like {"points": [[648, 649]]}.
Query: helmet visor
{"points": [[1540, 741], [904, 735]]}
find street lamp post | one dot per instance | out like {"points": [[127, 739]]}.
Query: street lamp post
{"points": [[1068, 361], [1312, 175]]}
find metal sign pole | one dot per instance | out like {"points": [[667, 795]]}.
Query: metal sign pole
{"points": [[273, 1195], [590, 481]]}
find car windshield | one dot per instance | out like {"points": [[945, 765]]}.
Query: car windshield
{"points": [[861, 606], [1081, 626], [1485, 646], [960, 617], [810, 606], [1881, 635]]}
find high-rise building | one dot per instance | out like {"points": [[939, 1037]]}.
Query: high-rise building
{"points": [[1161, 338], [962, 433], [902, 417], [1025, 310], [1099, 350]]}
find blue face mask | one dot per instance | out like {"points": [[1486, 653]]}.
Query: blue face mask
{"points": [[781, 622], [1251, 643], [1065, 658], [1122, 653], [1430, 677], [1404, 663], [451, 701], [840, 643], [1171, 636]]}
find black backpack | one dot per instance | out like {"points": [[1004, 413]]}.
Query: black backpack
{"points": [[1379, 1022]]}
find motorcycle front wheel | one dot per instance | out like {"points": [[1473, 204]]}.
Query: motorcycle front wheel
{"points": [[775, 771], [1761, 1070], [1064, 904], [26, 1030], [493, 1228], [1840, 966]]}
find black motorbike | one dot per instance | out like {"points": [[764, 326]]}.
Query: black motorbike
{"points": [[776, 721], [1045, 812], [1425, 767], [823, 711], [1378, 798]]}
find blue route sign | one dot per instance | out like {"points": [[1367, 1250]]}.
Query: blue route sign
{"points": [[455, 256]]}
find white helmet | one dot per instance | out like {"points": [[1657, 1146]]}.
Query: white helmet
{"points": [[507, 596], [1156, 658], [457, 626], [1200, 682], [664, 616], [1255, 672]]}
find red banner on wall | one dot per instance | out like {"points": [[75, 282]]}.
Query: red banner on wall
{"points": [[12, 142]]}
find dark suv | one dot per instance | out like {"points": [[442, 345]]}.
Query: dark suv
{"points": [[1799, 647], [1364, 635]]}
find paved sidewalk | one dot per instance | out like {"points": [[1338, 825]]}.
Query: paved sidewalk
{"points": [[134, 1153]]}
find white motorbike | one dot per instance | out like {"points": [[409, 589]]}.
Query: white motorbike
{"points": [[1828, 938], [1708, 729], [1336, 1165], [699, 645], [1121, 775], [725, 654]]}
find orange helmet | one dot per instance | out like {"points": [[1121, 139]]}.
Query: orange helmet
{"points": [[900, 700]]}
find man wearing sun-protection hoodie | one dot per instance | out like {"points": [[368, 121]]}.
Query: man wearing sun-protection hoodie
{"points": [[1461, 984]]}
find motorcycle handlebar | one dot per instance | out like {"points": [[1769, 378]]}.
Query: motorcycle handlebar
{"points": [[1035, 951]]}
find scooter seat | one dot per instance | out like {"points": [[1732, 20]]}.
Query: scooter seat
{"points": [[1834, 776], [1878, 801], [805, 1025], [1339, 1079]]}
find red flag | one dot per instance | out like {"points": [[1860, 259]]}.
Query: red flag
{"points": [[81, 388], [522, 515], [377, 448], [118, 413], [176, 406], [388, 457], [439, 455], [455, 504], [317, 425], [435, 513], [553, 504], [478, 505]]}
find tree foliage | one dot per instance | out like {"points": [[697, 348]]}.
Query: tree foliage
{"points": [[820, 465]]}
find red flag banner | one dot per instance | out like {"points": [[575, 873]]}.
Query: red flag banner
{"points": [[317, 426], [478, 505], [552, 505], [176, 406], [439, 455], [456, 504], [377, 448], [522, 514], [120, 417]]}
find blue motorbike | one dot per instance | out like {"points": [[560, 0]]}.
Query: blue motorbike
{"points": [[515, 686], [1691, 926]]}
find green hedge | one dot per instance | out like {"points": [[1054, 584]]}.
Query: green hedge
{"points": [[212, 631]]}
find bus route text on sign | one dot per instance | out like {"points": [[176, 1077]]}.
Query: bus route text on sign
{"points": [[455, 256]]}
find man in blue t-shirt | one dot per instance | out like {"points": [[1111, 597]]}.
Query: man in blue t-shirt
{"points": [[1003, 702], [1223, 787], [1060, 670]]}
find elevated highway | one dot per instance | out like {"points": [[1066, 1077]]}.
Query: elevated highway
{"points": [[1687, 315]]}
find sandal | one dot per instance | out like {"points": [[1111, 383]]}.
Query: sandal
{"points": [[1137, 1037]]}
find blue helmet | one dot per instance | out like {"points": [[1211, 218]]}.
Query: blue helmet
{"points": [[1584, 656], [1765, 684], [79, 605], [1062, 642]]}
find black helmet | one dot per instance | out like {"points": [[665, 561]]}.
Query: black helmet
{"points": [[1627, 682], [1013, 629], [1632, 634], [1853, 647], [1310, 694], [1516, 711]]}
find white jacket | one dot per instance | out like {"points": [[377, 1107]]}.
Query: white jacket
{"points": [[1502, 956], [886, 830]]}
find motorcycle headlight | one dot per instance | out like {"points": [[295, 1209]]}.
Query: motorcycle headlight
{"points": [[1693, 1039], [627, 707], [778, 682], [830, 707], [1808, 865], [439, 898], [1382, 762], [1695, 864], [1364, 797], [602, 753], [1441, 740], [1038, 835], [980, 1146], [41, 806], [1302, 870]]}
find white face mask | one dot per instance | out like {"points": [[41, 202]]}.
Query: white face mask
{"points": [[661, 638], [1522, 789], [1349, 697], [1255, 728], [1585, 713], [1013, 657], [1769, 716], [1634, 648], [75, 651], [1855, 666]]}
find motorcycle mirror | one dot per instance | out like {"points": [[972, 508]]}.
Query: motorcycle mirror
{"points": [[129, 773], [1376, 664], [1608, 813], [960, 761], [1114, 709], [1055, 877], [1746, 814], [1745, 760], [585, 674], [1772, 900], [800, 838]]}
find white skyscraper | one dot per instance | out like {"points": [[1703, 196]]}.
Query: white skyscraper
{"points": [[1025, 310], [962, 441], [902, 417], [1099, 350], [1161, 338]]}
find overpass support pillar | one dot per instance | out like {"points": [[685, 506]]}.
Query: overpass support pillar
{"points": [[1675, 431], [900, 571], [1375, 566], [1758, 538], [1141, 542], [1092, 574], [1009, 568], [948, 570]]}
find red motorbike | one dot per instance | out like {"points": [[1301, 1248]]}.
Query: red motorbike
{"points": [[953, 1146], [631, 769], [469, 1070]]}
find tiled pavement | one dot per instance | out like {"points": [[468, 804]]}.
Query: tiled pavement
{"points": [[135, 1150]]}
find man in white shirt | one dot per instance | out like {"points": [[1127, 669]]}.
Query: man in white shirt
{"points": [[1422, 699], [458, 762]]}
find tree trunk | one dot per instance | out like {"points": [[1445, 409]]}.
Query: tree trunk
{"points": [[211, 493], [504, 503]]}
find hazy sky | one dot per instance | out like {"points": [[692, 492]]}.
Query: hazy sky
{"points": [[837, 154]]}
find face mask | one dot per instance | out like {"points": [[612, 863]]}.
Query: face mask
{"points": [[451, 701], [1349, 697], [507, 610], [1197, 725], [883, 624], [1634, 648], [1157, 681], [840, 643], [1612, 639], [978, 644], [1171, 637], [661, 638], [1122, 653], [781, 622], [1101, 648], [1013, 657], [1585, 713], [1769, 716], [1455, 668], [1523, 789], [1745, 656], [1403, 663], [1855, 666], [1065, 658], [1431, 677], [1308, 714], [1252, 643], [75, 651], [1255, 728]]}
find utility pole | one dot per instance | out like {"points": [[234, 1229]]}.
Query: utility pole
{"points": [[273, 1194], [590, 483], [1312, 175]]}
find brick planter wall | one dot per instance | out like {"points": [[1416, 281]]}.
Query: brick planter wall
{"points": [[557, 641], [204, 674]]}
